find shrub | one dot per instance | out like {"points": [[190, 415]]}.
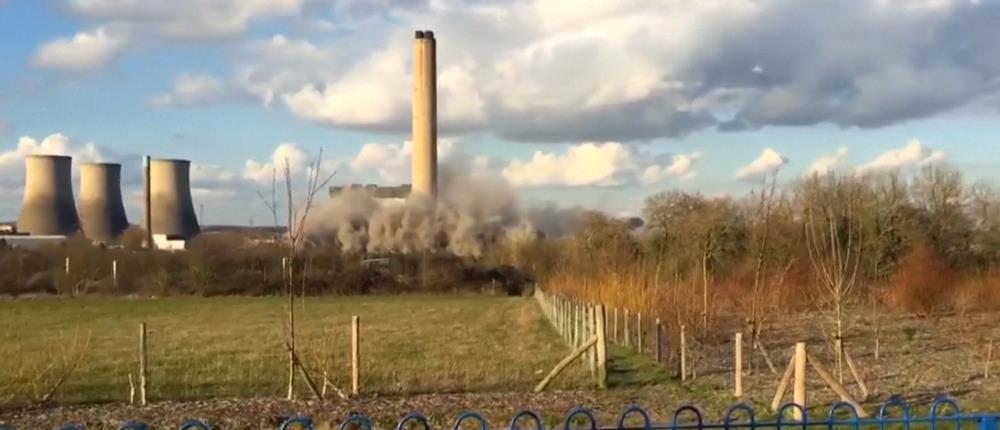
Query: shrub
{"points": [[924, 283]]}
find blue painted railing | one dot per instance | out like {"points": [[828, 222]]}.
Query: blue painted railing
{"points": [[894, 414]]}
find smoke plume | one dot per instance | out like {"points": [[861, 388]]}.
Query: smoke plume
{"points": [[471, 214]]}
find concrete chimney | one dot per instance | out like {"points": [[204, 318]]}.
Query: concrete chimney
{"points": [[170, 199], [102, 213], [48, 207], [424, 138]]}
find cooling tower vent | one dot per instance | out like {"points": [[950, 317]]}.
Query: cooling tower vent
{"points": [[170, 191], [48, 207], [102, 213]]}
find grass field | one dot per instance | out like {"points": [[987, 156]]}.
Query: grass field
{"points": [[233, 347]]}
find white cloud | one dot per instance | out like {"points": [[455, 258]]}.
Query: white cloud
{"points": [[584, 164], [912, 154], [84, 52], [297, 160], [599, 164], [186, 19], [192, 90], [828, 163], [392, 162], [769, 162], [681, 166]]}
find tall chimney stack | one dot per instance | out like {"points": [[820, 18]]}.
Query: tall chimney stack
{"points": [[424, 138]]}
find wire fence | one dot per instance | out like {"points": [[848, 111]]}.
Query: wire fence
{"points": [[943, 414]]}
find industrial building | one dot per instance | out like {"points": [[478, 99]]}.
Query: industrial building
{"points": [[171, 206], [102, 212], [48, 208], [424, 125], [396, 192], [50, 214]]}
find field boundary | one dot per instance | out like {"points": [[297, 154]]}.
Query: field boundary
{"points": [[894, 412]]}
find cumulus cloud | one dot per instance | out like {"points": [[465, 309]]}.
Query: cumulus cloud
{"points": [[681, 166], [84, 52], [828, 163], [194, 90], [186, 19], [265, 171], [598, 164], [768, 162], [912, 154], [542, 71]]}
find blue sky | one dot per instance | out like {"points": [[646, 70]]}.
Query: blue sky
{"points": [[591, 103]]}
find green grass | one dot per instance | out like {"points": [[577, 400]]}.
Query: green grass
{"points": [[233, 347]]}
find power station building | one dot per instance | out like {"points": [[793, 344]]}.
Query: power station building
{"points": [[49, 211]]}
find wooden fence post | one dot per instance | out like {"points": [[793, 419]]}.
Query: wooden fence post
{"points": [[67, 265], [683, 354], [592, 332], [638, 331], [614, 327], [659, 341], [602, 348], [627, 343], [799, 390], [355, 355], [738, 368], [142, 364], [114, 272]]}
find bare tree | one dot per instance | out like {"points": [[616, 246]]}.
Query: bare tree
{"points": [[833, 231], [295, 229]]}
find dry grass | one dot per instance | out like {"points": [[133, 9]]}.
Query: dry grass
{"points": [[232, 347]]}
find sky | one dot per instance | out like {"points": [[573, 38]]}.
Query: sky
{"points": [[572, 102]]}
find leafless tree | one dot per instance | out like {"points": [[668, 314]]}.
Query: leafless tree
{"points": [[833, 231], [295, 229]]}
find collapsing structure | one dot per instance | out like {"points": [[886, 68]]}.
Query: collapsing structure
{"points": [[102, 212], [424, 137], [170, 199], [48, 207]]}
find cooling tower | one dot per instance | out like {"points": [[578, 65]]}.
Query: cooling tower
{"points": [[170, 195], [48, 197], [424, 138], [102, 213]]}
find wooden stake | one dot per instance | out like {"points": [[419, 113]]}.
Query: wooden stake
{"points": [[592, 332], [562, 364], [799, 388], [142, 364], [857, 375], [355, 355], [767, 357], [67, 265], [638, 331], [627, 342], [683, 355], [783, 385], [989, 358], [602, 348], [131, 389], [659, 341], [738, 368], [834, 385], [114, 272], [878, 335], [614, 327]]}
